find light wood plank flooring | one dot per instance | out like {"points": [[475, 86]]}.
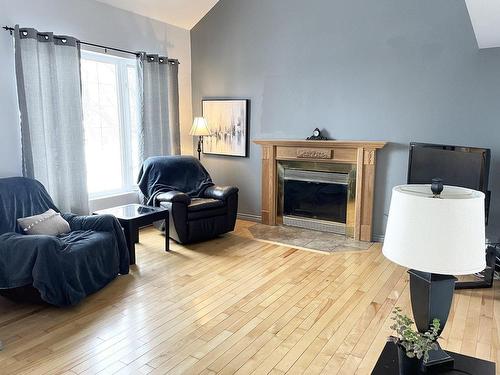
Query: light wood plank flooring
{"points": [[235, 305]]}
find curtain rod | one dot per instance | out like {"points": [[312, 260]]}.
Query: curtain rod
{"points": [[11, 29]]}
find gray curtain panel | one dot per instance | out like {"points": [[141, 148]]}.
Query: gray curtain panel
{"points": [[50, 102], [160, 133], [173, 107]]}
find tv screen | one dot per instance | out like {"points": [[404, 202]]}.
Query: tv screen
{"points": [[455, 165]]}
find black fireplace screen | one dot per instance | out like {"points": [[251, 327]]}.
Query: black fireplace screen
{"points": [[317, 200]]}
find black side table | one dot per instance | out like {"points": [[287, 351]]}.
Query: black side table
{"points": [[387, 364], [134, 216]]}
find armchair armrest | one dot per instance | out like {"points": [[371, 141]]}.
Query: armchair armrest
{"points": [[220, 192], [174, 197]]}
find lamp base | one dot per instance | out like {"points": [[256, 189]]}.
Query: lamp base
{"points": [[431, 296], [439, 361], [200, 146]]}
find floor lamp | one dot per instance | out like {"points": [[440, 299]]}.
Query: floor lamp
{"points": [[200, 129], [437, 232]]}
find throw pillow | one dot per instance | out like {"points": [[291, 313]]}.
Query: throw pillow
{"points": [[50, 223]]}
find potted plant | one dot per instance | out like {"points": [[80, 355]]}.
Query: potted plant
{"points": [[413, 346]]}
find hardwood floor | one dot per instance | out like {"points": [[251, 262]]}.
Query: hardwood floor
{"points": [[235, 305]]}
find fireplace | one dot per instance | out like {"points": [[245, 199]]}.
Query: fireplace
{"points": [[354, 159], [317, 195]]}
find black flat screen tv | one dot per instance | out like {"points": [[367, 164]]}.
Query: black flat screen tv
{"points": [[457, 165]]}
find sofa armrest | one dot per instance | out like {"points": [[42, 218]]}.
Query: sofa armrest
{"points": [[12, 240], [174, 197], [99, 223], [220, 192], [19, 253], [103, 223]]}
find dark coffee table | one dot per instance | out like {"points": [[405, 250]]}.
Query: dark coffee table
{"points": [[134, 216], [388, 364]]}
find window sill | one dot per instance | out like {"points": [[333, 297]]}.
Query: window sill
{"points": [[113, 200], [113, 194]]}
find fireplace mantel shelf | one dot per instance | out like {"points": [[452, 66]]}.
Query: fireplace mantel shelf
{"points": [[361, 154], [325, 143]]}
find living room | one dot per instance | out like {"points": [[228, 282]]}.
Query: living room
{"points": [[247, 186]]}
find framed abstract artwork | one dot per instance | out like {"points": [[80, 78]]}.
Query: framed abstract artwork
{"points": [[228, 122]]}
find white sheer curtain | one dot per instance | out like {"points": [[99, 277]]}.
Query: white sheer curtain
{"points": [[160, 133], [50, 102]]}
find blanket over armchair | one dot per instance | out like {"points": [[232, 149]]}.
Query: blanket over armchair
{"points": [[65, 268], [198, 210], [163, 174]]}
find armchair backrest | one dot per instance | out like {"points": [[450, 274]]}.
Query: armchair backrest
{"points": [[21, 197], [180, 173]]}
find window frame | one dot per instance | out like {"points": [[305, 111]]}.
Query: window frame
{"points": [[122, 64]]}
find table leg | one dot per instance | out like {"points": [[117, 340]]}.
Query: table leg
{"points": [[130, 234], [167, 231], [136, 235]]}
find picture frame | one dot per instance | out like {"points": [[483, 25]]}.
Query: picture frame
{"points": [[228, 121]]}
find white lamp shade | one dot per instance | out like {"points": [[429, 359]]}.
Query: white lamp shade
{"points": [[444, 235], [200, 127]]}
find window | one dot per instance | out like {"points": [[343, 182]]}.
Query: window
{"points": [[110, 117]]}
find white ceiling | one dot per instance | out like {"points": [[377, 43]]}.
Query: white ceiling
{"points": [[485, 17], [182, 13]]}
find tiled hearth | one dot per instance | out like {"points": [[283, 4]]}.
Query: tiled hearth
{"points": [[306, 239]]}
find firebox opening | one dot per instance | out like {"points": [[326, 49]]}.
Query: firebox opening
{"points": [[317, 196], [316, 200]]}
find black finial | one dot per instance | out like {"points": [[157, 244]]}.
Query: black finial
{"points": [[437, 186], [9, 29]]}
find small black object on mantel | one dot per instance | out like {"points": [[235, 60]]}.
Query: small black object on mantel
{"points": [[316, 136]]}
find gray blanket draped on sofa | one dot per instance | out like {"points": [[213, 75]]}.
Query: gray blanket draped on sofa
{"points": [[64, 268]]}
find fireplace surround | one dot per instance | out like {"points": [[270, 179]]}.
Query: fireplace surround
{"points": [[297, 161]]}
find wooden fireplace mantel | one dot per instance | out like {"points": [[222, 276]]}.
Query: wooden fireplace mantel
{"points": [[362, 154]]}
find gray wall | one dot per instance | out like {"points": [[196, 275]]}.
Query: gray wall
{"points": [[398, 71]]}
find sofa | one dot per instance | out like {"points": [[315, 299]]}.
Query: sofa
{"points": [[199, 210], [61, 269]]}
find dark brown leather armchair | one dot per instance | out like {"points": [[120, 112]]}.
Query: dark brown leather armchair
{"points": [[202, 218], [198, 210]]}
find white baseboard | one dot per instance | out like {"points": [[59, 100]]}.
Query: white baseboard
{"points": [[249, 217]]}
